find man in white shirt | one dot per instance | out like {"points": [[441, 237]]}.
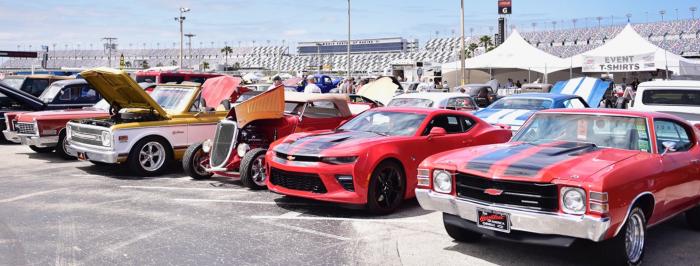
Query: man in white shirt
{"points": [[311, 85]]}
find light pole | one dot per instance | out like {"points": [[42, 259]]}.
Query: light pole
{"points": [[189, 44], [181, 20], [628, 15], [318, 57], [599, 19], [692, 11], [348, 56], [662, 13], [574, 22], [461, 43], [109, 46]]}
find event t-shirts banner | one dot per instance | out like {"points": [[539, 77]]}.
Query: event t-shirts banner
{"points": [[626, 63]]}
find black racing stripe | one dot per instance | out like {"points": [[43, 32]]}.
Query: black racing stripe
{"points": [[322, 143], [483, 163], [548, 156]]}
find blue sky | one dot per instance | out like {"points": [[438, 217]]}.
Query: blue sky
{"points": [[81, 22]]}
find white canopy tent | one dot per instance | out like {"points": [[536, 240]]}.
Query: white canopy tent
{"points": [[513, 53], [630, 52]]}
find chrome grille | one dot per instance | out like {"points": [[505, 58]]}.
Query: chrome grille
{"points": [[25, 128], [224, 142], [88, 136]]}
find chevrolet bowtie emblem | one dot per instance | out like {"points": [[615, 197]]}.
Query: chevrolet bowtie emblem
{"points": [[291, 158], [493, 191]]}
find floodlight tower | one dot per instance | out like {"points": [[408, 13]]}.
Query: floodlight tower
{"points": [[109, 46], [181, 20]]}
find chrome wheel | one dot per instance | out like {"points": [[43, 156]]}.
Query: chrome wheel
{"points": [[258, 170], [152, 156], [634, 237]]}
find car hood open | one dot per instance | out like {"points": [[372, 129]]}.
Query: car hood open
{"points": [[26, 99], [120, 90], [267, 105], [381, 90], [533, 162]]}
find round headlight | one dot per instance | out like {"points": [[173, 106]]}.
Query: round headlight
{"points": [[106, 138], [442, 181], [573, 200], [242, 149], [206, 146]]}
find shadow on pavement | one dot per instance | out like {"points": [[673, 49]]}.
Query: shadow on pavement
{"points": [[120, 171], [671, 243], [51, 157], [409, 208]]}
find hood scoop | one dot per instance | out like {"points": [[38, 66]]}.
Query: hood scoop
{"points": [[547, 156]]}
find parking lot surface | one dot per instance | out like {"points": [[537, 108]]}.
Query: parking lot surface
{"points": [[57, 212]]}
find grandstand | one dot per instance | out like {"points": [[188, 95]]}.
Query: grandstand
{"points": [[680, 36]]}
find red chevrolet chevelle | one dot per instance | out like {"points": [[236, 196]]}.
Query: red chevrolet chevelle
{"points": [[372, 159], [567, 175]]}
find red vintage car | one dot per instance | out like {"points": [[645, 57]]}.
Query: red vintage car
{"points": [[372, 159], [598, 175], [241, 140]]}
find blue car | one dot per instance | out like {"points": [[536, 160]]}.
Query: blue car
{"points": [[514, 110]]}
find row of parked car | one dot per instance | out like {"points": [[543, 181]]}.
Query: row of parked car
{"points": [[537, 168]]}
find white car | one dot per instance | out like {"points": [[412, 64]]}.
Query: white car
{"points": [[442, 100], [677, 97]]}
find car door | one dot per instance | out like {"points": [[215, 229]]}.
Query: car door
{"points": [[202, 124], [679, 181], [457, 128], [318, 115]]}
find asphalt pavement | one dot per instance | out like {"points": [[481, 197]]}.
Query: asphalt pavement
{"points": [[57, 212]]}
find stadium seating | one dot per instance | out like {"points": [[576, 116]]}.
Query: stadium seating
{"points": [[678, 36]]}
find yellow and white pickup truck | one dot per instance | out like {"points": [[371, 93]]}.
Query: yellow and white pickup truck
{"points": [[148, 132]]}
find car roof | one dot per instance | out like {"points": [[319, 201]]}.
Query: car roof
{"points": [[613, 112], [433, 96], [553, 96], [418, 110], [671, 83]]}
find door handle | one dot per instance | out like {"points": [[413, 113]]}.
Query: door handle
{"points": [[467, 141]]}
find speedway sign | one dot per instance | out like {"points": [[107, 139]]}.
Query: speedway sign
{"points": [[627, 63]]}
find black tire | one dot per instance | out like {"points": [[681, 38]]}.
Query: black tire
{"points": [[460, 234], [135, 157], [387, 188], [61, 147], [692, 216], [41, 149], [615, 250], [252, 176], [191, 162]]}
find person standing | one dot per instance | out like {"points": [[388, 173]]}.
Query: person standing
{"points": [[276, 81], [347, 85], [311, 86]]}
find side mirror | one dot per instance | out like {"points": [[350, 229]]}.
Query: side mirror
{"points": [[436, 132], [668, 146], [697, 126]]}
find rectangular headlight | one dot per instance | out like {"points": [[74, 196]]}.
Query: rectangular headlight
{"points": [[424, 178], [106, 138]]}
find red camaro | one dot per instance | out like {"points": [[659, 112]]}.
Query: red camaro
{"points": [[600, 175], [372, 159]]}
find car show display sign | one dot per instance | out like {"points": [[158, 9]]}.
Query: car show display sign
{"points": [[505, 7], [627, 63]]}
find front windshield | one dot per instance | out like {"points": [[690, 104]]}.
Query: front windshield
{"points": [[410, 102], [14, 82], [50, 93], [522, 104], [172, 98], [628, 133], [385, 123]]}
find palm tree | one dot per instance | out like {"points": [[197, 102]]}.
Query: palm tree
{"points": [[485, 41], [226, 51], [173, 63], [144, 64], [471, 49], [205, 65]]}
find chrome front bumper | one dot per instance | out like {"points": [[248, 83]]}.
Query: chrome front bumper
{"points": [[11, 136], [105, 156], [584, 227], [42, 142]]}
